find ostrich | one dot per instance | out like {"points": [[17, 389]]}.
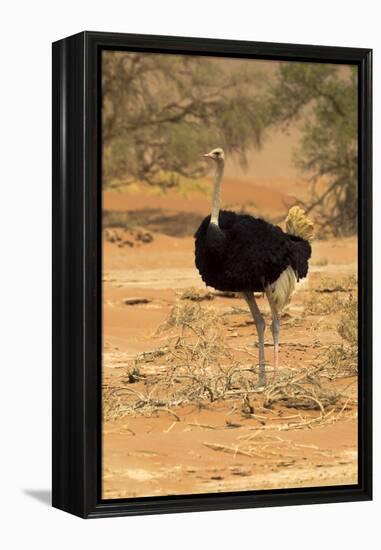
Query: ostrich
{"points": [[240, 253]]}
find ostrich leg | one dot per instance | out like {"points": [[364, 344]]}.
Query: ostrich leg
{"points": [[275, 328], [260, 325]]}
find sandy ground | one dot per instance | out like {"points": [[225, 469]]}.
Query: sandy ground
{"points": [[198, 449]]}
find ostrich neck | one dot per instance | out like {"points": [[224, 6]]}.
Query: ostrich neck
{"points": [[217, 193]]}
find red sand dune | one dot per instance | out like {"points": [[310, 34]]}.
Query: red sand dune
{"points": [[270, 197]]}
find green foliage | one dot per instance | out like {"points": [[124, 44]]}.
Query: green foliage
{"points": [[162, 112], [322, 98]]}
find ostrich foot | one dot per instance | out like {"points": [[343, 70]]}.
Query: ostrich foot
{"points": [[262, 377]]}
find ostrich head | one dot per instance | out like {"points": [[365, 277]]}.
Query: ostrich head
{"points": [[216, 154]]}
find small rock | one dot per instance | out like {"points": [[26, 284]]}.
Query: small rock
{"points": [[135, 301], [144, 237], [112, 236], [125, 243]]}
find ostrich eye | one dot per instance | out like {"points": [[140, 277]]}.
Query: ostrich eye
{"points": [[217, 153]]}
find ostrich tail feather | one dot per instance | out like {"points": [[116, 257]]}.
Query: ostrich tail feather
{"points": [[298, 224], [283, 288]]}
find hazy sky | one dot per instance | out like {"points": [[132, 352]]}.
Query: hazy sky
{"points": [[275, 157], [273, 160]]}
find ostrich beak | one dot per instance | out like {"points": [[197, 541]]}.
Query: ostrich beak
{"points": [[207, 155]]}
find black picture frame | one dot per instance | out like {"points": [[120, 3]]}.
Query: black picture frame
{"points": [[77, 260]]}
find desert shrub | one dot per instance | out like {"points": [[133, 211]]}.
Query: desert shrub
{"points": [[196, 294], [112, 406], [198, 365], [322, 304], [192, 315], [348, 324], [342, 359], [330, 295]]}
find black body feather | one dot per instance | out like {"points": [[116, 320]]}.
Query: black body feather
{"points": [[246, 253]]}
